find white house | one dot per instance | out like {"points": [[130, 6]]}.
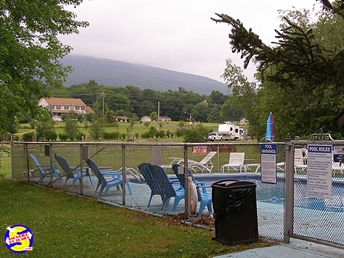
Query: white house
{"points": [[60, 106], [146, 119], [164, 119]]}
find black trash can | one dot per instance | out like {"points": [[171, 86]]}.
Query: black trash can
{"points": [[235, 212]]}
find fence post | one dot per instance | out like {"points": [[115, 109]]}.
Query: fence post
{"points": [[124, 178], [48, 151], [26, 149], [81, 169], [186, 176], [289, 190]]}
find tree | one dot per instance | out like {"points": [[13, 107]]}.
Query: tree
{"points": [[200, 112], [147, 107], [154, 116], [71, 125], [146, 124], [96, 128], [30, 51], [230, 111], [301, 75], [44, 126]]}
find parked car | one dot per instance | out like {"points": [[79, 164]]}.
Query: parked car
{"points": [[214, 136]]}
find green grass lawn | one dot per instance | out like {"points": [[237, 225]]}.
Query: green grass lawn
{"points": [[124, 127], [66, 225]]}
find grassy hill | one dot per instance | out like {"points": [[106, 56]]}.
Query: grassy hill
{"points": [[115, 73]]}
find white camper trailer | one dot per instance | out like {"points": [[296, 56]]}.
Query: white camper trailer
{"points": [[230, 132]]}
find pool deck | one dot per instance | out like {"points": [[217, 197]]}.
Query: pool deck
{"points": [[296, 248], [139, 200]]}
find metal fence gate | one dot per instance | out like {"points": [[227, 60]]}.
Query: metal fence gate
{"points": [[314, 206]]}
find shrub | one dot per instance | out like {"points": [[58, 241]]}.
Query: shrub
{"points": [[80, 136], [196, 134], [28, 137], [160, 134], [63, 137], [51, 136], [180, 132], [169, 134]]}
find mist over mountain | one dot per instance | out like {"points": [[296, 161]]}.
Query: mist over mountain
{"points": [[115, 73]]}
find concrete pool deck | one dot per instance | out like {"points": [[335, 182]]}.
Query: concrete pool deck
{"points": [[273, 221], [296, 248]]}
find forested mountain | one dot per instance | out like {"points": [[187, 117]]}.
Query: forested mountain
{"points": [[115, 73]]}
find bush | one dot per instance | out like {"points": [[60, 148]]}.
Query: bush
{"points": [[160, 134], [81, 136], [63, 137], [196, 134], [51, 136], [180, 132], [145, 135], [169, 134], [28, 137], [107, 136]]}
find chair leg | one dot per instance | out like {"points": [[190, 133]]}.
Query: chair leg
{"points": [[201, 208], [150, 199], [128, 186], [177, 199], [210, 209], [102, 188], [166, 202], [74, 181], [89, 177], [106, 190], [98, 184]]}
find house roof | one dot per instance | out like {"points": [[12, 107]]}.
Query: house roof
{"points": [[89, 110], [164, 117], [65, 101]]}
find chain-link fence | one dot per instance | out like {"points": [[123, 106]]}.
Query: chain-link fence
{"points": [[114, 156], [318, 210]]}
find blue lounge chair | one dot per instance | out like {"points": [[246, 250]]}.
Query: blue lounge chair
{"points": [[160, 184], [69, 171], [204, 197], [44, 169], [106, 184]]}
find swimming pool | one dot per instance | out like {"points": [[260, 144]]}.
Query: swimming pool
{"points": [[275, 193]]}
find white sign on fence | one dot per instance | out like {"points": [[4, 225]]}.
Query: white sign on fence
{"points": [[268, 163], [319, 171]]}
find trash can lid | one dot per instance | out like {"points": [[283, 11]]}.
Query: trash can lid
{"points": [[232, 183]]}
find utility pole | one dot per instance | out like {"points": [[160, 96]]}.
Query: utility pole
{"points": [[103, 103], [158, 110]]}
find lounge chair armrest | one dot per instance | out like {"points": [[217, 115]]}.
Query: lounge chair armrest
{"points": [[203, 186], [44, 166], [109, 172], [175, 160]]}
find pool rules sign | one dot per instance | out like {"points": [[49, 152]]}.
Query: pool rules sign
{"points": [[319, 171]]}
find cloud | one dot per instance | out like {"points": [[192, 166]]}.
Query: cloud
{"points": [[177, 35]]}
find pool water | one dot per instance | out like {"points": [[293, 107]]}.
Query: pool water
{"points": [[275, 193]]}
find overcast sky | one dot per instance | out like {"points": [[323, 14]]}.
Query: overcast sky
{"points": [[177, 35]]}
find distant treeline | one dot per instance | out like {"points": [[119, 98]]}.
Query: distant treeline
{"points": [[131, 101]]}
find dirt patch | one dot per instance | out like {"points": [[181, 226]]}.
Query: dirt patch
{"points": [[180, 219]]}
